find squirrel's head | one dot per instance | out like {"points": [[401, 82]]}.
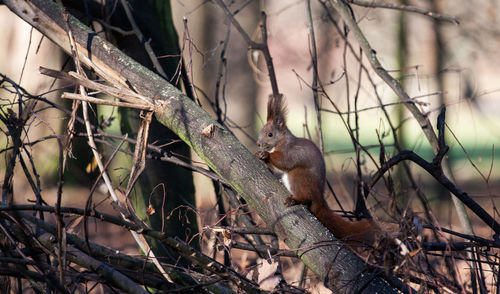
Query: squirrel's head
{"points": [[275, 129]]}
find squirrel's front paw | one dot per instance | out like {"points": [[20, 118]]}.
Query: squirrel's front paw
{"points": [[262, 155], [289, 201]]}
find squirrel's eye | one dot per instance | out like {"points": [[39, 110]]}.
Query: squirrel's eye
{"points": [[269, 134]]}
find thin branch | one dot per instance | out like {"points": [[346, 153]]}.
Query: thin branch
{"points": [[139, 158], [98, 251], [94, 100], [263, 249], [116, 90], [408, 8], [238, 27], [240, 230], [142, 40], [346, 13], [182, 248], [314, 60], [211, 265], [435, 169], [263, 47], [267, 55], [375, 107], [111, 275]]}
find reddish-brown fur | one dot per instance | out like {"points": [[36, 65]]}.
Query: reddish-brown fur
{"points": [[302, 162]]}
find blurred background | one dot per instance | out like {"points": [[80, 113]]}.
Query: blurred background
{"points": [[438, 62]]}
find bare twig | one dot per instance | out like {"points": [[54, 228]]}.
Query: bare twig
{"points": [[183, 249], [435, 169], [265, 250], [116, 90], [111, 275], [263, 47], [314, 60], [346, 14], [242, 230], [142, 40], [213, 266], [375, 107], [105, 102], [408, 8], [139, 159], [92, 190]]}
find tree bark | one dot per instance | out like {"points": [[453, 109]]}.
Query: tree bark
{"points": [[341, 270]]}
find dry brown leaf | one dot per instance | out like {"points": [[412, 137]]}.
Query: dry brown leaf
{"points": [[208, 131], [414, 252], [150, 211], [268, 279]]}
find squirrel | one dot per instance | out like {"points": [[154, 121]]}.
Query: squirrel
{"points": [[302, 166]]}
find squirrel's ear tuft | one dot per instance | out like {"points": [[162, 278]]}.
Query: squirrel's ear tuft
{"points": [[280, 123], [276, 110]]}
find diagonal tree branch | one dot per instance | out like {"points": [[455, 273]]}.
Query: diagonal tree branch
{"points": [[341, 270], [346, 13], [435, 169]]}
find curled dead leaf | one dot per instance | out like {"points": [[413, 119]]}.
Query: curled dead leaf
{"points": [[208, 131], [227, 237], [150, 211]]}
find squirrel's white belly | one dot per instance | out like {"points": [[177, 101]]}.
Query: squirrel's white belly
{"points": [[284, 176], [286, 182]]}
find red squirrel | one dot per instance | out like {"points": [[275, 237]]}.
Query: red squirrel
{"points": [[302, 167]]}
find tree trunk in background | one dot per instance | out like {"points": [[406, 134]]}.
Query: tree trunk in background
{"points": [[172, 200], [439, 52], [402, 62], [402, 59], [168, 188]]}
